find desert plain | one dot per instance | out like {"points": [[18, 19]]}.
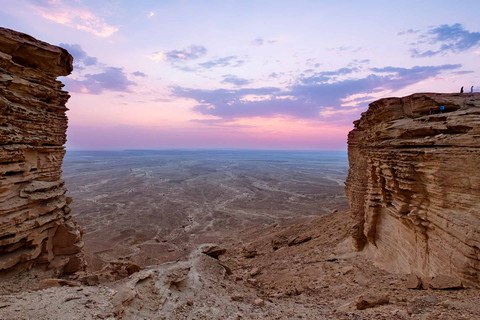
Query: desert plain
{"points": [[150, 207]]}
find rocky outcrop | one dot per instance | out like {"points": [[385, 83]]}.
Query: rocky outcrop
{"points": [[414, 184], [35, 222]]}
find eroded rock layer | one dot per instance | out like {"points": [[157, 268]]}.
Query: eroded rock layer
{"points": [[35, 223], [414, 184]]}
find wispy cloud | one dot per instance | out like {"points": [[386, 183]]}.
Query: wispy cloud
{"points": [[232, 79], [463, 72], [274, 75], [105, 78], [157, 56], [344, 49], [230, 61], [310, 97], [180, 56], [451, 38], [139, 74], [111, 79], [79, 55], [73, 16], [358, 64], [325, 76], [261, 41], [233, 61], [409, 31], [190, 53]]}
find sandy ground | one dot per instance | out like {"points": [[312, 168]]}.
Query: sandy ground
{"points": [[301, 270]]}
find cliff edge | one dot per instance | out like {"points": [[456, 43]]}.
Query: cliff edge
{"points": [[414, 184], [35, 223]]}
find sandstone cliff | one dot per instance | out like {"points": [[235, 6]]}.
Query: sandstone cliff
{"points": [[414, 184], [35, 223]]}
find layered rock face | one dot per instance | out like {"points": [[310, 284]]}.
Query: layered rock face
{"points": [[414, 184], [35, 223]]}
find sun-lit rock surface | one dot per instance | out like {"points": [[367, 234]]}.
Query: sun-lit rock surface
{"points": [[35, 223], [414, 184]]}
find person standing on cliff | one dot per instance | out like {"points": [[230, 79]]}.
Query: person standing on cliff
{"points": [[471, 89], [461, 90]]}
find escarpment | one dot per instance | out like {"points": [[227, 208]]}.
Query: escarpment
{"points": [[35, 222], [414, 184]]}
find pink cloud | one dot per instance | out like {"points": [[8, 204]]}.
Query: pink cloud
{"points": [[75, 17]]}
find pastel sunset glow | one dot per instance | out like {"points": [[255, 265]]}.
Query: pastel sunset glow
{"points": [[246, 74]]}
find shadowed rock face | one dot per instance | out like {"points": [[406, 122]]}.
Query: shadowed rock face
{"points": [[35, 223], [414, 184]]}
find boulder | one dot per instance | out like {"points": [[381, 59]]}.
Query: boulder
{"points": [[279, 241], [49, 283], [213, 251], [298, 240], [132, 268], [236, 297], [443, 282], [90, 280], [371, 302], [259, 302], [249, 252], [413, 282], [254, 272]]}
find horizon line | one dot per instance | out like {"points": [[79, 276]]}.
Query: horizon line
{"points": [[199, 149]]}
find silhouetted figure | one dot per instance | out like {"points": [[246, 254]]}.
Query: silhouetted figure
{"points": [[461, 90], [471, 89]]}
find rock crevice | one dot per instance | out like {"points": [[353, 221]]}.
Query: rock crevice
{"points": [[35, 221], [414, 184]]}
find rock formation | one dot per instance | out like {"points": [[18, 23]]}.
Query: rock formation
{"points": [[35, 221], [414, 184]]}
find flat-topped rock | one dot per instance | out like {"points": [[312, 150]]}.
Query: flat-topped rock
{"points": [[414, 184], [27, 51], [35, 221]]}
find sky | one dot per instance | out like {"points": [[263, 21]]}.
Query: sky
{"points": [[246, 74]]}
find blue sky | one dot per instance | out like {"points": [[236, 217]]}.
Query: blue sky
{"points": [[246, 74]]}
